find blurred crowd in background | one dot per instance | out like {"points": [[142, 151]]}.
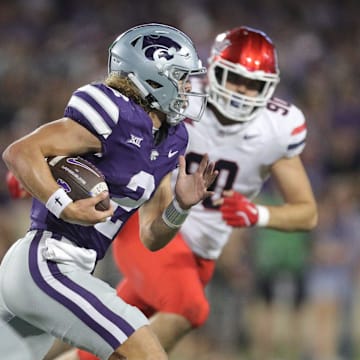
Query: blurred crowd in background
{"points": [[274, 295]]}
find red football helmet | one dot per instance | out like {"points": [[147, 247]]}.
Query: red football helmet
{"points": [[247, 54]]}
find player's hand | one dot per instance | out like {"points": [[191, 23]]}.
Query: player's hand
{"points": [[193, 188], [83, 212], [15, 188], [238, 211]]}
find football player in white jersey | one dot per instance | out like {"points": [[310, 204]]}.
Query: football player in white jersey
{"points": [[250, 135]]}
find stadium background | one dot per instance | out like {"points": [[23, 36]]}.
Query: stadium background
{"points": [[48, 48]]}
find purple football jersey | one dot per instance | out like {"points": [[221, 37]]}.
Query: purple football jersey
{"points": [[133, 164]]}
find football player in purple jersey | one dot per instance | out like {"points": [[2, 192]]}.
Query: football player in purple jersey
{"points": [[130, 127], [250, 135]]}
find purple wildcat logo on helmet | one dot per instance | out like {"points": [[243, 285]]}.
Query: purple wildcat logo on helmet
{"points": [[156, 47]]}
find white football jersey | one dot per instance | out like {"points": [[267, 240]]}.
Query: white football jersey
{"points": [[243, 155]]}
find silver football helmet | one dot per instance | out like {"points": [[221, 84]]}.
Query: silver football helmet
{"points": [[160, 60]]}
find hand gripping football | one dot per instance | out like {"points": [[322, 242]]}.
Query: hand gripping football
{"points": [[79, 178]]}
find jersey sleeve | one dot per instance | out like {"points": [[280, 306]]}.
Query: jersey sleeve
{"points": [[95, 107], [296, 132]]}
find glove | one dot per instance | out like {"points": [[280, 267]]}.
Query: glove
{"points": [[238, 211], [15, 188]]}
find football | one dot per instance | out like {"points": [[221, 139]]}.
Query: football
{"points": [[79, 178]]}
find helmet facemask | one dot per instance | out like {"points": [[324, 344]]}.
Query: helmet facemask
{"points": [[181, 107], [234, 105]]}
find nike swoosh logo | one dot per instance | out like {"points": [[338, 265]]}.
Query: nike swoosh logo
{"points": [[250, 136], [172, 153]]}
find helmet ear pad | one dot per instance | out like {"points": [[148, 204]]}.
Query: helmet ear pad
{"points": [[152, 54]]}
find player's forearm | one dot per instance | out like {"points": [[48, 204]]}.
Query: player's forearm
{"points": [[293, 217], [157, 235], [29, 166]]}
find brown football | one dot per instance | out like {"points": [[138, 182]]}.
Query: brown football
{"points": [[79, 178]]}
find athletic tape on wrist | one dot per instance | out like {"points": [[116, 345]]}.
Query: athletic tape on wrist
{"points": [[58, 201], [174, 216], [264, 216]]}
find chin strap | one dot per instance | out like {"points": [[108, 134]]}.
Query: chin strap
{"points": [[174, 118], [161, 134]]}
